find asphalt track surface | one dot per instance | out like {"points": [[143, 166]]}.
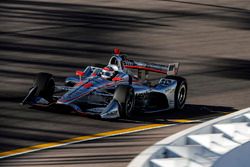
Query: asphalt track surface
{"points": [[209, 38]]}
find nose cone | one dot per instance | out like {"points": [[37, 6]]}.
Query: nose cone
{"points": [[82, 90], [74, 94]]}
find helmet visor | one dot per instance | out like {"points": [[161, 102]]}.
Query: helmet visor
{"points": [[107, 74]]}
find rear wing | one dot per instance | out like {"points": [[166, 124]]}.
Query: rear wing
{"points": [[170, 69]]}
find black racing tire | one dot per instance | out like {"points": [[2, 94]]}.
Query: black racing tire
{"points": [[45, 84], [125, 96], [180, 94]]}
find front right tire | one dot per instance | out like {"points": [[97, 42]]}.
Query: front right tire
{"points": [[125, 96]]}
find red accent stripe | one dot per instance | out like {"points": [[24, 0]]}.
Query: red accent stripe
{"points": [[117, 79], [146, 68], [93, 74], [88, 85]]}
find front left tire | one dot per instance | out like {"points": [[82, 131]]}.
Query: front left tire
{"points": [[45, 85]]}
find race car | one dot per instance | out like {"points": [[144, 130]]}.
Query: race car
{"points": [[119, 90]]}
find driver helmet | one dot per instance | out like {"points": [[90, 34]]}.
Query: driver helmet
{"points": [[109, 72]]}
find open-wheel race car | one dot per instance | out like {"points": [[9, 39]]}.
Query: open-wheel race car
{"points": [[120, 89]]}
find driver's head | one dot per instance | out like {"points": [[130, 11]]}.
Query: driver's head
{"points": [[108, 72]]}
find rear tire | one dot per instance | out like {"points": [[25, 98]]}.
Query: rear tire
{"points": [[124, 94], [180, 94], [45, 84]]}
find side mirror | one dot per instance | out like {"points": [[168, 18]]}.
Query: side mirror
{"points": [[117, 79], [80, 74]]}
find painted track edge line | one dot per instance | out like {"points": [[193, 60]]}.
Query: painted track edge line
{"points": [[88, 138]]}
